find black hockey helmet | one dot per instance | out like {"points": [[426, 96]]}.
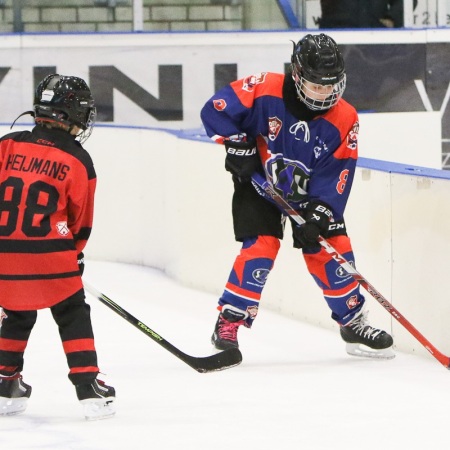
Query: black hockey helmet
{"points": [[317, 59], [66, 100]]}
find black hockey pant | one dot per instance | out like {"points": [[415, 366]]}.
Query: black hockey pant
{"points": [[75, 328]]}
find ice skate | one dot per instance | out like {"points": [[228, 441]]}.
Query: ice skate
{"points": [[225, 332], [365, 340], [14, 395], [97, 400]]}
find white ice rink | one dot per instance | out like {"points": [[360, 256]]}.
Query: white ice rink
{"points": [[296, 388]]}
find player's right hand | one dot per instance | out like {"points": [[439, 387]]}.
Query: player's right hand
{"points": [[242, 159]]}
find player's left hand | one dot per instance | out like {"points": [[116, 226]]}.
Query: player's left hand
{"points": [[317, 219], [80, 261]]}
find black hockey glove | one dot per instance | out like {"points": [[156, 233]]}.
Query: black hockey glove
{"points": [[80, 261], [317, 219], [242, 159]]}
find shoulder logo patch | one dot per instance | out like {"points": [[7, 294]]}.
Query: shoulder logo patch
{"points": [[250, 82], [352, 138], [220, 104]]}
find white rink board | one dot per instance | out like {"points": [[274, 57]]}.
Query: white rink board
{"points": [[165, 202]]}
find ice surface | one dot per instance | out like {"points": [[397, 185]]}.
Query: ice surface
{"points": [[296, 388]]}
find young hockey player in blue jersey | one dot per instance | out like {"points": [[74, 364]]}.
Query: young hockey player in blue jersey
{"points": [[297, 130]]}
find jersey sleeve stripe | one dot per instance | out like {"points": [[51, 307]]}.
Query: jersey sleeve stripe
{"points": [[34, 246]]}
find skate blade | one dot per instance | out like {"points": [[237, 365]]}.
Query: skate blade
{"points": [[363, 351], [98, 409], [12, 406], [218, 349]]}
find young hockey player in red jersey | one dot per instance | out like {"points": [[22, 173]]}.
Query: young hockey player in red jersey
{"points": [[47, 184], [298, 131]]}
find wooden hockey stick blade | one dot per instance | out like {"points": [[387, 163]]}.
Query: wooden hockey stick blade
{"points": [[219, 361], [263, 187]]}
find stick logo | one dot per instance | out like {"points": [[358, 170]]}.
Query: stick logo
{"points": [[150, 331]]}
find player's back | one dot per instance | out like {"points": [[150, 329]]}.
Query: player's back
{"points": [[46, 185]]}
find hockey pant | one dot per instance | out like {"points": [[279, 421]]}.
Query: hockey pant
{"points": [[73, 319], [256, 259]]}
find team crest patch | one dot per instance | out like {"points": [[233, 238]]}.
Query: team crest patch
{"points": [[352, 302], [250, 82], [220, 104], [252, 311], [352, 138], [275, 125], [2, 316], [62, 228]]}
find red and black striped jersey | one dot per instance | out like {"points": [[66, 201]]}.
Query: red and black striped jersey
{"points": [[47, 186]]}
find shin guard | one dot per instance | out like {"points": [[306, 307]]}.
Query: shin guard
{"points": [[249, 274]]}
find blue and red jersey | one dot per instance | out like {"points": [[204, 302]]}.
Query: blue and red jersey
{"points": [[304, 159]]}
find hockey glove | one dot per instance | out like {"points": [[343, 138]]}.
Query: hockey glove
{"points": [[242, 159], [80, 261], [317, 219]]}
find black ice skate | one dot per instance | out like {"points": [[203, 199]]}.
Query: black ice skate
{"points": [[97, 400], [364, 340], [225, 332], [14, 395]]}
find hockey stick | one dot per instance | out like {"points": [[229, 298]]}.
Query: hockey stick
{"points": [[219, 361], [266, 189]]}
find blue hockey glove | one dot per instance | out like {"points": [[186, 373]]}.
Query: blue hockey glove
{"points": [[242, 159], [317, 219]]}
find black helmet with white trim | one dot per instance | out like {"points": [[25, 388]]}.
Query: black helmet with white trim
{"points": [[317, 59], [65, 100]]}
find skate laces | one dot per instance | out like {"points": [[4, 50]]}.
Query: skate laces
{"points": [[228, 330], [361, 326]]}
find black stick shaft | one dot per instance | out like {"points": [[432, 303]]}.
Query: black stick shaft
{"points": [[220, 361]]}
